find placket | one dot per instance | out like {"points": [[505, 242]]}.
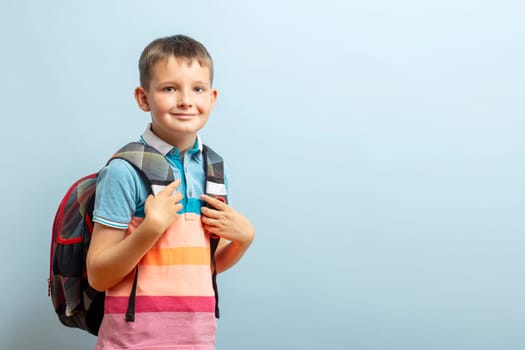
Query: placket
{"points": [[189, 216]]}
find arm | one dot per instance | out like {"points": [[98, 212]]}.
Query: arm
{"points": [[111, 255], [236, 231]]}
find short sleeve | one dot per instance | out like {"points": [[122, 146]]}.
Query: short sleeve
{"points": [[118, 194]]}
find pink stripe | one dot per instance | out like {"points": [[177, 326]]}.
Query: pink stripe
{"points": [[186, 231], [119, 305], [166, 330]]}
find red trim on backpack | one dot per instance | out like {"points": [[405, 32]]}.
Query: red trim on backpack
{"points": [[57, 223], [89, 223]]}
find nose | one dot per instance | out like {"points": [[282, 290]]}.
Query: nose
{"points": [[183, 99]]}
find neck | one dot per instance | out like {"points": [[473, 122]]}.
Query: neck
{"points": [[182, 142]]}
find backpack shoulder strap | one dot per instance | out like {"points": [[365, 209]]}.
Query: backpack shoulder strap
{"points": [[214, 169], [150, 163], [214, 187]]}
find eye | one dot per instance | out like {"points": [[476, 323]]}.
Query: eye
{"points": [[168, 89], [199, 89]]}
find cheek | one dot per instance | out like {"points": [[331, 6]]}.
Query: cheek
{"points": [[161, 105], [205, 104]]}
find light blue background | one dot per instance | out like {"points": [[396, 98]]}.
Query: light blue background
{"points": [[378, 147]]}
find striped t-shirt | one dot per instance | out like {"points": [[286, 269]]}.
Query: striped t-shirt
{"points": [[175, 302]]}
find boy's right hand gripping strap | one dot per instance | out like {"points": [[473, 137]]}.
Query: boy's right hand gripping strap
{"points": [[156, 173]]}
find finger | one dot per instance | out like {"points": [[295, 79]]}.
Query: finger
{"points": [[215, 203], [212, 230], [176, 196], [212, 227], [211, 213], [174, 185], [171, 188], [209, 220]]}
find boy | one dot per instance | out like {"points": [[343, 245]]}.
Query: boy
{"points": [[165, 234]]}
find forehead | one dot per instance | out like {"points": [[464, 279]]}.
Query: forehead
{"points": [[181, 68]]}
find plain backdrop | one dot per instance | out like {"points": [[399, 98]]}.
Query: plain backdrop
{"points": [[378, 147]]}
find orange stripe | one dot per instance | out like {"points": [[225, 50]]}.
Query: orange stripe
{"points": [[177, 256]]}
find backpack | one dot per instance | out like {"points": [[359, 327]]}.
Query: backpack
{"points": [[76, 303]]}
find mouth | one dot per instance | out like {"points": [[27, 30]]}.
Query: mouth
{"points": [[184, 116]]}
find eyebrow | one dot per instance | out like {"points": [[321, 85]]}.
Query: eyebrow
{"points": [[202, 82]]}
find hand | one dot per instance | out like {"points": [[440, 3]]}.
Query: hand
{"points": [[161, 210], [226, 222]]}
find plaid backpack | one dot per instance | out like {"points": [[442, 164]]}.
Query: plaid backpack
{"points": [[76, 303]]}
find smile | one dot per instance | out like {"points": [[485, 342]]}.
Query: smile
{"points": [[184, 116]]}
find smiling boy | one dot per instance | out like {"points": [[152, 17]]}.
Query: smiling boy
{"points": [[165, 234]]}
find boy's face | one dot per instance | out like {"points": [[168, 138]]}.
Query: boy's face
{"points": [[180, 99]]}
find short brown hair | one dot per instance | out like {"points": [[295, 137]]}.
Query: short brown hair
{"points": [[178, 46]]}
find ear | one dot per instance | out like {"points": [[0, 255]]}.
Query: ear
{"points": [[213, 96], [142, 99]]}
